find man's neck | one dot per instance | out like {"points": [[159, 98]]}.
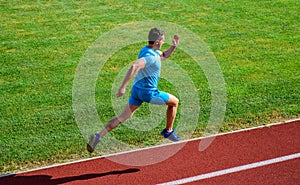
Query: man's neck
{"points": [[152, 46]]}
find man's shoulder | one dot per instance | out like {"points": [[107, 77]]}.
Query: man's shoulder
{"points": [[147, 51]]}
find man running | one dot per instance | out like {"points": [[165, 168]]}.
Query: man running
{"points": [[146, 71]]}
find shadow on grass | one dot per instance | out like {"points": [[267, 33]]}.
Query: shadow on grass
{"points": [[47, 180]]}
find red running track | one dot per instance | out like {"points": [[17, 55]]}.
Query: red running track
{"points": [[246, 152]]}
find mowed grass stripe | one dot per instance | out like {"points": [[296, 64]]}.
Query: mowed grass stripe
{"points": [[255, 42]]}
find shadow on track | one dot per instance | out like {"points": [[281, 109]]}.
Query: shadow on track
{"points": [[47, 180]]}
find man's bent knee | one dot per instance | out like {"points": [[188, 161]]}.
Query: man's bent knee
{"points": [[173, 101]]}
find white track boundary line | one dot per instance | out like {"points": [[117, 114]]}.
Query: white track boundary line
{"points": [[234, 169], [136, 150]]}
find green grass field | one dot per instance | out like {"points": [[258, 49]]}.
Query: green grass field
{"points": [[256, 43]]}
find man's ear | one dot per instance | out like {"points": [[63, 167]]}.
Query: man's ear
{"points": [[156, 42]]}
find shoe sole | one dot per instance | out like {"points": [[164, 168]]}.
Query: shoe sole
{"points": [[173, 139], [89, 148]]}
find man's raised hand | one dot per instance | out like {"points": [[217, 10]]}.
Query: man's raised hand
{"points": [[175, 40]]}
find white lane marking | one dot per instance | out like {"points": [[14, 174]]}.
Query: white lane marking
{"points": [[232, 170]]}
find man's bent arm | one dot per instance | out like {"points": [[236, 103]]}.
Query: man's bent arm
{"points": [[166, 54], [135, 67]]}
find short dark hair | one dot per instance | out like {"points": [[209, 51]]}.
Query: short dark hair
{"points": [[155, 34]]}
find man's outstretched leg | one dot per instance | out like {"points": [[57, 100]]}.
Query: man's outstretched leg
{"points": [[169, 132], [113, 123]]}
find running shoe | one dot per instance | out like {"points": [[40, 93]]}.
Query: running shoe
{"points": [[93, 141], [170, 135]]}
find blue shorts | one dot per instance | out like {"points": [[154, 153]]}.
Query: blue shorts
{"points": [[154, 96]]}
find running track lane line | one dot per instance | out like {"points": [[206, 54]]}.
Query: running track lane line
{"points": [[234, 169]]}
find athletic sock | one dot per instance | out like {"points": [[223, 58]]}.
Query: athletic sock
{"points": [[97, 136], [169, 132]]}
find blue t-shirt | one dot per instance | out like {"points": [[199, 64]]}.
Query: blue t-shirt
{"points": [[148, 77]]}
